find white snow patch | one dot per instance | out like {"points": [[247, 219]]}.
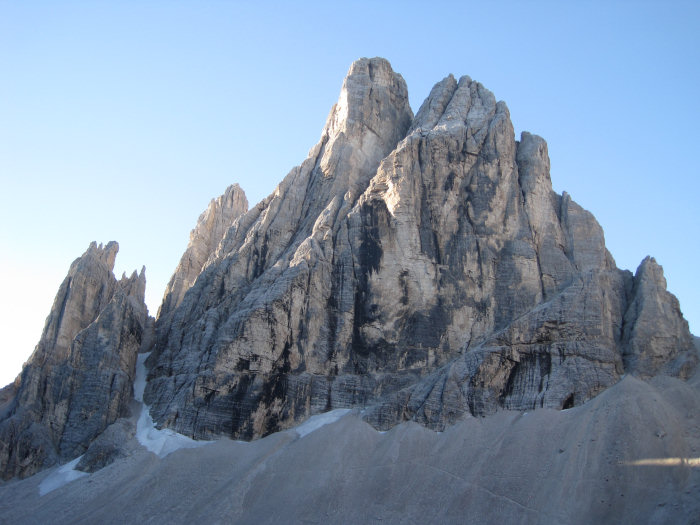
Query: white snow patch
{"points": [[61, 476], [140, 379], [316, 422], [160, 442]]}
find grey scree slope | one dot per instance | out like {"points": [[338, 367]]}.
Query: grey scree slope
{"points": [[545, 466]]}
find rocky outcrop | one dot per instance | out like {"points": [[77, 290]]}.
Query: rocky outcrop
{"points": [[79, 379], [420, 267], [656, 333], [204, 239], [223, 355], [114, 443]]}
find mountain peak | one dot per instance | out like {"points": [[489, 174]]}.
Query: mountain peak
{"points": [[106, 254], [373, 97], [78, 380], [418, 268], [210, 229], [421, 268]]}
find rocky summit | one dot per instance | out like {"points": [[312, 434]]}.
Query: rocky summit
{"points": [[418, 266], [414, 267], [79, 379]]}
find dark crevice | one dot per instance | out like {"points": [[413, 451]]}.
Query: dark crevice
{"points": [[568, 402], [62, 311]]}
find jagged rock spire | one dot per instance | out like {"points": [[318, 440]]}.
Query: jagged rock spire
{"points": [[267, 253], [422, 267], [79, 378], [656, 334], [211, 227]]}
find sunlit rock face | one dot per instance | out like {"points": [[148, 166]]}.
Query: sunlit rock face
{"points": [[79, 379], [204, 239], [421, 267]]}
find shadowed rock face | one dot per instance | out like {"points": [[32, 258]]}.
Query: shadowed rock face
{"points": [[79, 378], [421, 267]]}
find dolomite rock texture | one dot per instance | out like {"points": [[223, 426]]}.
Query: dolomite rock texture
{"points": [[659, 340], [421, 267], [204, 239], [79, 379]]}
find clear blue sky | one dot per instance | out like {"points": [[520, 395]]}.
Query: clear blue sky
{"points": [[121, 120]]}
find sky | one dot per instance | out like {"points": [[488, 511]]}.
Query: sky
{"points": [[122, 120]]}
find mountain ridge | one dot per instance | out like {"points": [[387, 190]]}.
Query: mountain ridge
{"points": [[453, 213], [419, 267]]}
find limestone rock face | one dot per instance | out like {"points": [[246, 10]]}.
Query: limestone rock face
{"points": [[420, 267], [79, 378], [222, 357], [204, 239], [657, 335], [112, 444]]}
